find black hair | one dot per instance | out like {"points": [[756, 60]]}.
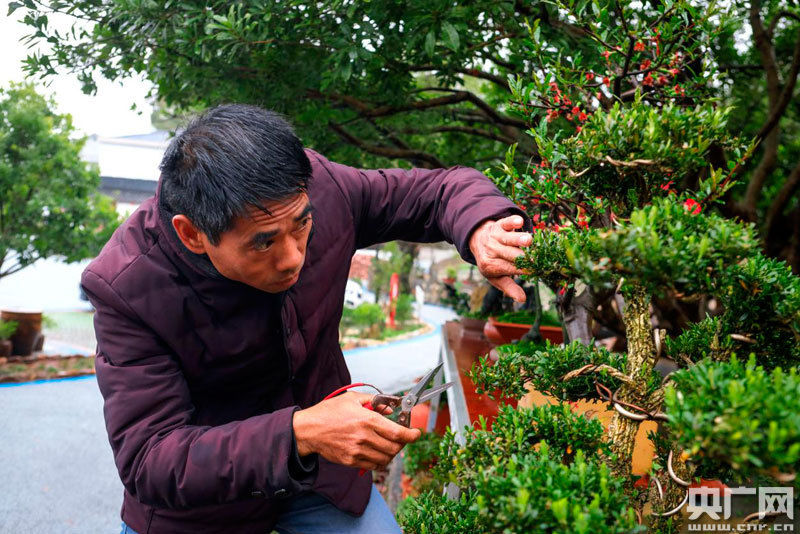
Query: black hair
{"points": [[228, 159]]}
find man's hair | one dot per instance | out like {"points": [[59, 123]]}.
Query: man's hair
{"points": [[228, 159]]}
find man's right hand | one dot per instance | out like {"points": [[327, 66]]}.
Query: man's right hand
{"points": [[342, 431]]}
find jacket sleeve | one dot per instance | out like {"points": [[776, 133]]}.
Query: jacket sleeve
{"points": [[164, 460], [421, 205]]}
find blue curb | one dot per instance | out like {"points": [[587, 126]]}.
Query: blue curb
{"points": [[436, 331], [45, 381]]}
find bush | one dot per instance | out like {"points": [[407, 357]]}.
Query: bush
{"points": [[7, 328], [404, 308]]}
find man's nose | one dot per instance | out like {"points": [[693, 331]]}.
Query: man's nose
{"points": [[290, 258]]}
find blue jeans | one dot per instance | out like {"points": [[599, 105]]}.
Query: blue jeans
{"points": [[312, 514]]}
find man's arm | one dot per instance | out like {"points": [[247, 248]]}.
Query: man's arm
{"points": [[458, 204], [163, 459]]}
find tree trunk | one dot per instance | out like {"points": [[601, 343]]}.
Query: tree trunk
{"points": [[641, 355]]}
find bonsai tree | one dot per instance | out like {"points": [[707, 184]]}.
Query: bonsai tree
{"points": [[633, 158], [49, 205]]}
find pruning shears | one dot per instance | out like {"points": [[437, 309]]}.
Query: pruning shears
{"points": [[406, 402]]}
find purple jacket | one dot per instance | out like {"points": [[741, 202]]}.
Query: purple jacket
{"points": [[201, 375]]}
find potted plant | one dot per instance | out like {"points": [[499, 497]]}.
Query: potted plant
{"points": [[633, 160], [513, 326], [7, 329], [28, 332], [473, 321], [450, 276]]}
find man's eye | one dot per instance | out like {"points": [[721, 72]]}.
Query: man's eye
{"points": [[262, 246], [304, 222]]}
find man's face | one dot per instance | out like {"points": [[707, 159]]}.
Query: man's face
{"points": [[265, 251]]}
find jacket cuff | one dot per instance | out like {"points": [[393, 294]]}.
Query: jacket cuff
{"points": [[481, 215], [292, 475], [302, 468]]}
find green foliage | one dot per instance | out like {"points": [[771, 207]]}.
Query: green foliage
{"points": [[422, 454], [534, 471], [549, 318], [404, 308], [531, 492], [543, 367], [365, 314], [664, 246], [7, 328], [738, 414], [381, 270], [49, 205]]}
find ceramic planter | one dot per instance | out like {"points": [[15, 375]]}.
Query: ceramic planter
{"points": [[504, 333], [29, 330], [471, 324]]}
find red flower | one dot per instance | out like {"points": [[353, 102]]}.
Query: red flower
{"points": [[606, 54], [674, 72], [679, 90], [562, 290], [578, 129], [667, 185], [639, 46], [576, 110], [692, 206], [553, 86], [645, 64], [582, 116], [590, 76], [662, 80], [556, 99], [648, 80], [598, 95], [606, 81], [582, 222]]}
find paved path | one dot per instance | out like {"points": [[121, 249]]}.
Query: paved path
{"points": [[56, 469]]}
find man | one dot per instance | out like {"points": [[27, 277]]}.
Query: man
{"points": [[218, 303]]}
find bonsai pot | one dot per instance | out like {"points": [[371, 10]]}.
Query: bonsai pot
{"points": [[504, 333], [471, 324], [29, 330]]}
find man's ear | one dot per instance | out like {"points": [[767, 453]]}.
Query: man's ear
{"points": [[188, 233]]}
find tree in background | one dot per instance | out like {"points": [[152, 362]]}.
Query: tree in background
{"points": [[427, 82], [625, 199], [381, 270], [49, 205]]}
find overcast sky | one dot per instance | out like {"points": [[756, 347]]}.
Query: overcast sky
{"points": [[107, 113]]}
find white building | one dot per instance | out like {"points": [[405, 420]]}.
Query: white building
{"points": [[128, 165]]}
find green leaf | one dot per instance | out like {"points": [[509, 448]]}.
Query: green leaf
{"points": [[430, 43], [13, 6], [451, 33]]}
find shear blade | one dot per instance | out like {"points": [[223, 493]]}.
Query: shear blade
{"points": [[425, 379], [427, 395]]}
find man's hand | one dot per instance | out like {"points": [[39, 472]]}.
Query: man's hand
{"points": [[342, 431], [495, 244]]}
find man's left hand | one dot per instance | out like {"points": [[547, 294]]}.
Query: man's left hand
{"points": [[495, 245]]}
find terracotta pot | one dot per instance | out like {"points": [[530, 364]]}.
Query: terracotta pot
{"points": [[504, 333], [472, 325], [29, 330]]}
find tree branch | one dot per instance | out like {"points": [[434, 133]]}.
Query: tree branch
{"points": [[788, 189], [387, 152]]}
